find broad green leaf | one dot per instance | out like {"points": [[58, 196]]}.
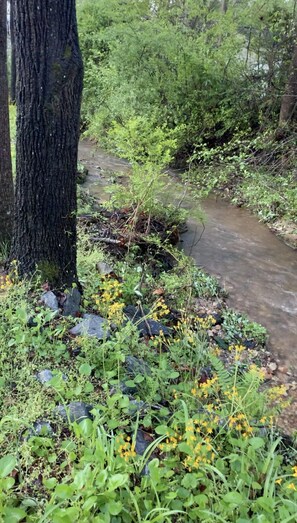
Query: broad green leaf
{"points": [[7, 464]]}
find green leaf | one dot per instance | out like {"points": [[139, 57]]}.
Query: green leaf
{"points": [[234, 498], [50, 483], [7, 465], [114, 507], [116, 481], [64, 491], [13, 514], [256, 443], [161, 429], [184, 447], [85, 369]]}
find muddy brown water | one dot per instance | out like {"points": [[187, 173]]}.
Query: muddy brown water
{"points": [[256, 268]]}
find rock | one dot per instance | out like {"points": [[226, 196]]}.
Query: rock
{"points": [[152, 328], [76, 411], [104, 268], [71, 305], [136, 366], [92, 325], [136, 406], [146, 327], [272, 366], [283, 369], [141, 444], [46, 375], [125, 389], [249, 344], [50, 300], [39, 428]]}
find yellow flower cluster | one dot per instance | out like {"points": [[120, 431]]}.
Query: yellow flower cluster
{"points": [[240, 423], [256, 371], [159, 309], [206, 388], [294, 471], [107, 300], [205, 323], [276, 392], [238, 349], [184, 332], [5, 282], [125, 447]]}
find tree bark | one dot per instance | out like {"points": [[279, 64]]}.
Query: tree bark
{"points": [[49, 85], [12, 54], [289, 99], [224, 6], [6, 183]]}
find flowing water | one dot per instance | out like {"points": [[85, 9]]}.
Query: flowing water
{"points": [[256, 268]]}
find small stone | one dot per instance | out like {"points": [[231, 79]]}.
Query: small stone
{"points": [[50, 300], [46, 375], [136, 406], [136, 366], [39, 428], [283, 369], [71, 305], [141, 443], [104, 268], [272, 366], [152, 328], [76, 410], [92, 325]]}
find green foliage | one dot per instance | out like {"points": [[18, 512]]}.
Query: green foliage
{"points": [[237, 326], [149, 149], [211, 454], [187, 64]]}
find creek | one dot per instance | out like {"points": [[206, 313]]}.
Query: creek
{"points": [[256, 268]]}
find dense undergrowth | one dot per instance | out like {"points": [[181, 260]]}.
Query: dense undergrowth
{"points": [[259, 173], [165, 418]]}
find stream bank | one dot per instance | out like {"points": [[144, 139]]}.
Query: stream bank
{"points": [[256, 268]]}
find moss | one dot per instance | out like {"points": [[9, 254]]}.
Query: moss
{"points": [[49, 271]]}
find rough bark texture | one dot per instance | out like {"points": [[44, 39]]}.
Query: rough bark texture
{"points": [[6, 184], [49, 85], [289, 99], [12, 54]]}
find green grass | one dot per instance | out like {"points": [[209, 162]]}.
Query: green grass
{"points": [[212, 450]]}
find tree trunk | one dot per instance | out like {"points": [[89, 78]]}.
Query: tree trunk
{"points": [[289, 99], [49, 85], [224, 6], [12, 54], [6, 183]]}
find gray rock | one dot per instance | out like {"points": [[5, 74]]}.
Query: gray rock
{"points": [[136, 366], [146, 327], [46, 375], [72, 303], [50, 300], [152, 328], [136, 406], [104, 268], [141, 444], [39, 428], [92, 325], [76, 411]]}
